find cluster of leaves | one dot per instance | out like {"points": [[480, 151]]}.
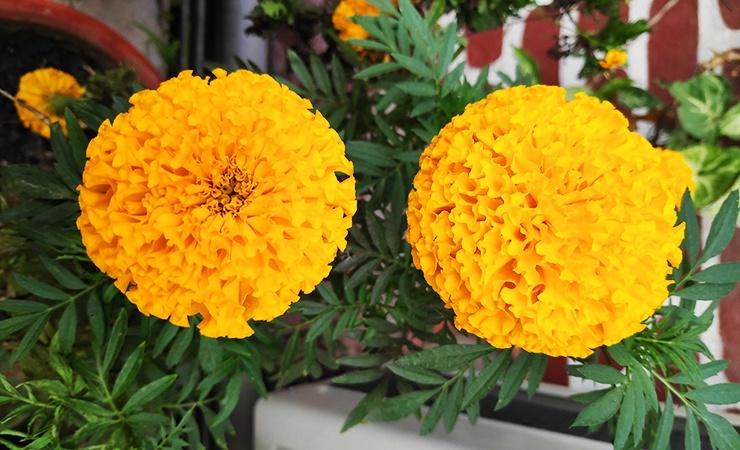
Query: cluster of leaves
{"points": [[95, 372]]}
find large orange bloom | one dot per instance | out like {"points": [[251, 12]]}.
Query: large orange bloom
{"points": [[545, 223], [216, 198]]}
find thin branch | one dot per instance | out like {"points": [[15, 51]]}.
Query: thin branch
{"points": [[663, 11], [23, 104]]}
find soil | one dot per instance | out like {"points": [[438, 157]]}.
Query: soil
{"points": [[24, 48]]}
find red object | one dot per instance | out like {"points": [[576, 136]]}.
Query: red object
{"points": [[673, 45], [74, 24], [729, 317], [540, 35], [555, 371], [484, 48], [730, 14]]}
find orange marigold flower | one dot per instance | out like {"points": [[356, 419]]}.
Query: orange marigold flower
{"points": [[341, 19], [545, 223], [48, 91], [216, 198], [614, 58]]}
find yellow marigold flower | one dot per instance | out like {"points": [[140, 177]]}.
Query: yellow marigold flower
{"points": [[216, 198], [48, 91], [345, 10], [614, 58], [545, 223]]}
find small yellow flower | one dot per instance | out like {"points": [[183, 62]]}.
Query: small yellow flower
{"points": [[614, 58], [345, 11], [216, 197], [47, 91], [545, 223]]}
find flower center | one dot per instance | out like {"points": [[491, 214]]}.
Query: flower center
{"points": [[229, 191]]}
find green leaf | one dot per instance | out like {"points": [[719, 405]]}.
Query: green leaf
{"points": [[376, 154], [128, 372], [88, 409], [358, 376], [528, 66], [716, 394], [368, 403], [30, 337], [601, 410], [180, 346], [115, 340], [165, 337], [453, 405], [78, 142], [91, 113], [634, 97], [39, 288], [715, 171], [323, 322], [513, 379], [723, 227], [665, 424], [446, 51], [370, 45], [722, 434], [536, 373], [289, 352], [719, 273], [361, 275], [626, 420], [418, 374], [486, 379], [320, 75], [705, 291], [364, 360], [13, 324], [300, 71], [327, 293], [431, 418], [601, 374], [62, 274], [418, 88], [445, 357], [376, 70], [21, 306], [691, 431], [149, 392], [382, 282], [730, 124], [413, 65], [231, 398], [67, 328], [702, 104], [400, 406], [96, 317], [706, 370], [210, 353], [36, 183]]}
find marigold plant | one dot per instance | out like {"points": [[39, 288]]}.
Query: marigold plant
{"points": [[342, 18], [216, 198], [45, 92], [545, 223]]}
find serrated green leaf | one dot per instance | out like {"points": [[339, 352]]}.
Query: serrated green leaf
{"points": [[434, 414], [327, 293], [601, 374], [381, 283], [708, 292], [420, 109], [322, 322], [364, 360], [706, 370], [77, 141], [702, 104], [413, 65], [62, 274], [400, 406], [358, 376], [210, 354], [22, 306], [417, 88], [229, 401], [722, 229], [115, 340], [36, 183], [486, 379], [626, 420], [301, 71], [13, 324], [87, 408], [536, 373], [445, 357], [513, 379], [376, 70], [716, 394], [601, 410], [289, 352], [719, 273], [165, 337], [691, 431], [665, 424], [67, 328], [30, 337], [418, 374], [343, 323], [361, 274], [721, 432], [687, 215], [39, 288], [91, 113], [370, 402], [453, 405], [149, 392], [128, 372], [180, 346]]}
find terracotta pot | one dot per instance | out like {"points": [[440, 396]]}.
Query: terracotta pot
{"points": [[75, 25]]}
